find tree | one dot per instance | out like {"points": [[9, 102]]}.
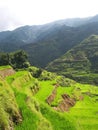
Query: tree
{"points": [[4, 59], [19, 59]]}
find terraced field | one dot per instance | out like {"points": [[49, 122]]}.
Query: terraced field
{"points": [[43, 104], [36, 114], [85, 110]]}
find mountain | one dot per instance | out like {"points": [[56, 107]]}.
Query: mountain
{"points": [[79, 62], [48, 41], [53, 45], [29, 34], [50, 46], [13, 40], [18, 37]]}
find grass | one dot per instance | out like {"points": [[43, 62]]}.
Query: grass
{"points": [[9, 111], [29, 118], [58, 120], [19, 79], [85, 115], [84, 112], [60, 91], [45, 90], [32, 118], [46, 120]]}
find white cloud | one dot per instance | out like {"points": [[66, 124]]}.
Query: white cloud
{"points": [[15, 13]]}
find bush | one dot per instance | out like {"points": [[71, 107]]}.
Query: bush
{"points": [[45, 75], [35, 72], [64, 82]]}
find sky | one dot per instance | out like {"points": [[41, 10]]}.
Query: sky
{"points": [[15, 13]]}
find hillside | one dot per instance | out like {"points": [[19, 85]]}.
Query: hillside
{"points": [[20, 110], [79, 63], [18, 37], [44, 101], [9, 110]]}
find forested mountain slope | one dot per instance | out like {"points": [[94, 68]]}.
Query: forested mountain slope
{"points": [[81, 60]]}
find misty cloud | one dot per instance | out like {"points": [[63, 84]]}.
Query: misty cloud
{"points": [[15, 13], [8, 20]]}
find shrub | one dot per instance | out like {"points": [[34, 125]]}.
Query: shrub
{"points": [[45, 75], [35, 72], [64, 82]]}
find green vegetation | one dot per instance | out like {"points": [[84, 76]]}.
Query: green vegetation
{"points": [[17, 60], [45, 90], [24, 106], [4, 67], [31, 114], [57, 119], [85, 110], [80, 63], [62, 81], [34, 112], [55, 40], [41, 73], [32, 118], [35, 99], [9, 111]]}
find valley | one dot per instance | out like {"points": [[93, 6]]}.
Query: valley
{"points": [[49, 76]]}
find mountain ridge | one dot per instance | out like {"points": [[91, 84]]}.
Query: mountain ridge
{"points": [[58, 43]]}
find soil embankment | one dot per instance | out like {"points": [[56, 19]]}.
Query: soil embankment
{"points": [[7, 72]]}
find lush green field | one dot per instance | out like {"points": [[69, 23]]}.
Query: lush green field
{"points": [[37, 115], [45, 90], [23, 103], [85, 111]]}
